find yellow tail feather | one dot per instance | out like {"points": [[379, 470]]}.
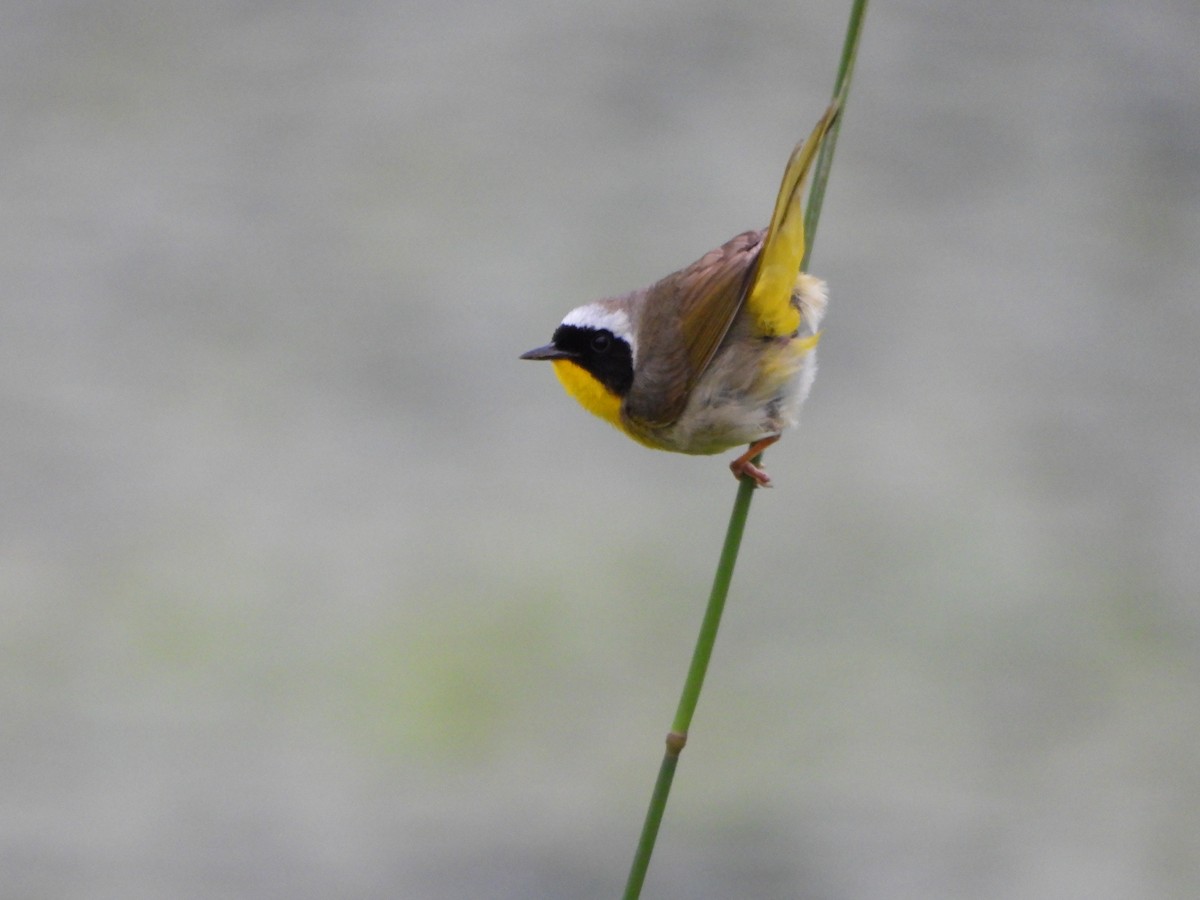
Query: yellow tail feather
{"points": [[779, 261]]}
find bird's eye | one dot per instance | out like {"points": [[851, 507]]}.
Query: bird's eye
{"points": [[601, 342]]}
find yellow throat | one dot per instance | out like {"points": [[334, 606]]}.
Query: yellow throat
{"points": [[591, 394]]}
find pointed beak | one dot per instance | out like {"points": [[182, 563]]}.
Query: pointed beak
{"points": [[547, 352]]}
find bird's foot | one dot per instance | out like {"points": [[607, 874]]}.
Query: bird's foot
{"points": [[744, 466]]}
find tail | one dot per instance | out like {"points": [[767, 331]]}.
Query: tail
{"points": [[770, 297]]}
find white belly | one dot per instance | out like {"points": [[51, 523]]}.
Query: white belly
{"points": [[748, 393]]}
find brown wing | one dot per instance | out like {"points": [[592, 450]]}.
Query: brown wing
{"points": [[681, 323]]}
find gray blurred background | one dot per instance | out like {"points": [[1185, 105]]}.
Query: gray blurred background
{"points": [[310, 589]]}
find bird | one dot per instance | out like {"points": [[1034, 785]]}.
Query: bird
{"points": [[716, 355]]}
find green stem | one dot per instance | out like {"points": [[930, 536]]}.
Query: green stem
{"points": [[677, 737], [716, 604], [841, 90], [691, 687]]}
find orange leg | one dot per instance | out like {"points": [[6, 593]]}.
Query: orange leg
{"points": [[743, 467]]}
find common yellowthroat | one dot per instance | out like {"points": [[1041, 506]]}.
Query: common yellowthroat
{"points": [[718, 354]]}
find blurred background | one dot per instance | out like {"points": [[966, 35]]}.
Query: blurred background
{"points": [[310, 589]]}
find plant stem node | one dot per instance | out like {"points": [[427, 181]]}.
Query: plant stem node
{"points": [[675, 742]]}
